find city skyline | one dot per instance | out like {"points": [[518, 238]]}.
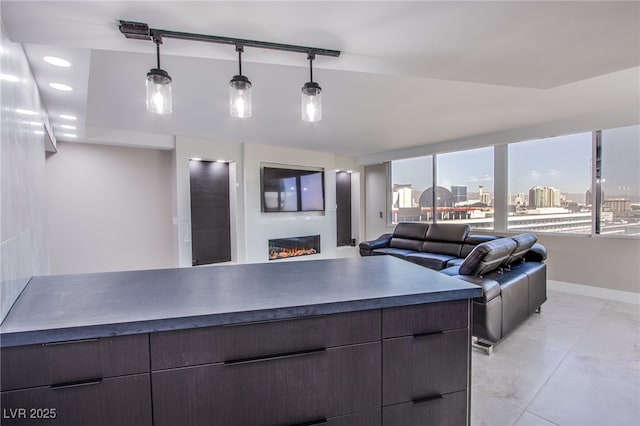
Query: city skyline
{"points": [[563, 162]]}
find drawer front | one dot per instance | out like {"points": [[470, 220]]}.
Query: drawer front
{"points": [[216, 344], [286, 390], [74, 361], [445, 410], [365, 418], [409, 320], [122, 401], [422, 366]]}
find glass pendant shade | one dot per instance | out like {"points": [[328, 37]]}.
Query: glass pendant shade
{"points": [[159, 92], [240, 97], [311, 102]]}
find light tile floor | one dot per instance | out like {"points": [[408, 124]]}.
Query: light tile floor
{"points": [[575, 364]]}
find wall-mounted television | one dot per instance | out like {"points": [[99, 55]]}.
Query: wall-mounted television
{"points": [[292, 189]]}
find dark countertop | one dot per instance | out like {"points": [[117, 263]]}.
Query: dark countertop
{"points": [[70, 307]]}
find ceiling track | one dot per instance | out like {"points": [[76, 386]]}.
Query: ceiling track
{"points": [[142, 31]]}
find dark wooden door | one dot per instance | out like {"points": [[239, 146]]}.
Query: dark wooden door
{"points": [[210, 215], [343, 212]]}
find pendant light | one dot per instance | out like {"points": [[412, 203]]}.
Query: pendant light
{"points": [[311, 96], [159, 87], [240, 91]]}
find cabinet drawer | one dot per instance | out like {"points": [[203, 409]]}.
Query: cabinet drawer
{"points": [[416, 367], [283, 390], [216, 344], [74, 361], [121, 401], [409, 320], [442, 410], [365, 418]]}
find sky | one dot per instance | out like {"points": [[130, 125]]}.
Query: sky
{"points": [[563, 162]]}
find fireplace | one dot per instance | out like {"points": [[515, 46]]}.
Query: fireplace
{"points": [[284, 248]]}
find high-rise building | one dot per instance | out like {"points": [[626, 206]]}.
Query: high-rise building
{"points": [[547, 196], [553, 196], [537, 197], [485, 198], [402, 196], [459, 193]]}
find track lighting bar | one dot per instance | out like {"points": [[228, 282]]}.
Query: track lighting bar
{"points": [[141, 31]]}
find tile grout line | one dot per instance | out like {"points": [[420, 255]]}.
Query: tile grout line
{"points": [[526, 409]]}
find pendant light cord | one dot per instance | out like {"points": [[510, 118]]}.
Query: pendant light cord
{"points": [[311, 57], [158, 52], [239, 49]]}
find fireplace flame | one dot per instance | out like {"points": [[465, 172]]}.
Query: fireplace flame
{"points": [[282, 253]]}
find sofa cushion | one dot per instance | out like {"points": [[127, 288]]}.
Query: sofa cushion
{"points": [[487, 256], [411, 230], [449, 232], [472, 241], [397, 252], [445, 238], [430, 260], [405, 243], [409, 235], [380, 242], [523, 243], [456, 261], [490, 288], [537, 253]]}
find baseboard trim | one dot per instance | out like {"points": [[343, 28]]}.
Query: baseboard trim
{"points": [[599, 292]]}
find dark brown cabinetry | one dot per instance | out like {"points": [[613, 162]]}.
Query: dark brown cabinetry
{"points": [[88, 382], [279, 390], [405, 366], [426, 365]]}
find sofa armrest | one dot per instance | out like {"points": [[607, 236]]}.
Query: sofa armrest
{"points": [[490, 288], [366, 247], [537, 253]]}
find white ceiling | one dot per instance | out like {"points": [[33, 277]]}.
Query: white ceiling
{"points": [[410, 73]]}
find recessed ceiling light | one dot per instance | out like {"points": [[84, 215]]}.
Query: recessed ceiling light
{"points": [[58, 62], [68, 117], [39, 132], [26, 112], [66, 126], [197, 159], [33, 123], [60, 86], [70, 135], [9, 77]]}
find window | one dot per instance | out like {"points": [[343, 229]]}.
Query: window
{"points": [[410, 180], [549, 185], [465, 187], [620, 181]]}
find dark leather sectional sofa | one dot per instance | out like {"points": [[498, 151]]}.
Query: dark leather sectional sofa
{"points": [[510, 270]]}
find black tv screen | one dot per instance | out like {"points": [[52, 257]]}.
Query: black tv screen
{"points": [[292, 190]]}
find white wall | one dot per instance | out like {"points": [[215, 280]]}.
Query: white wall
{"points": [[23, 228], [250, 227], [109, 208], [261, 227], [376, 184]]}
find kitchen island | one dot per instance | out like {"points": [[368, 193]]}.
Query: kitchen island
{"points": [[359, 341]]}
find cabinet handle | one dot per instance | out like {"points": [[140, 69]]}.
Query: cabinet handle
{"points": [[427, 399], [68, 342], [312, 422], [431, 333], [274, 357], [75, 384]]}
